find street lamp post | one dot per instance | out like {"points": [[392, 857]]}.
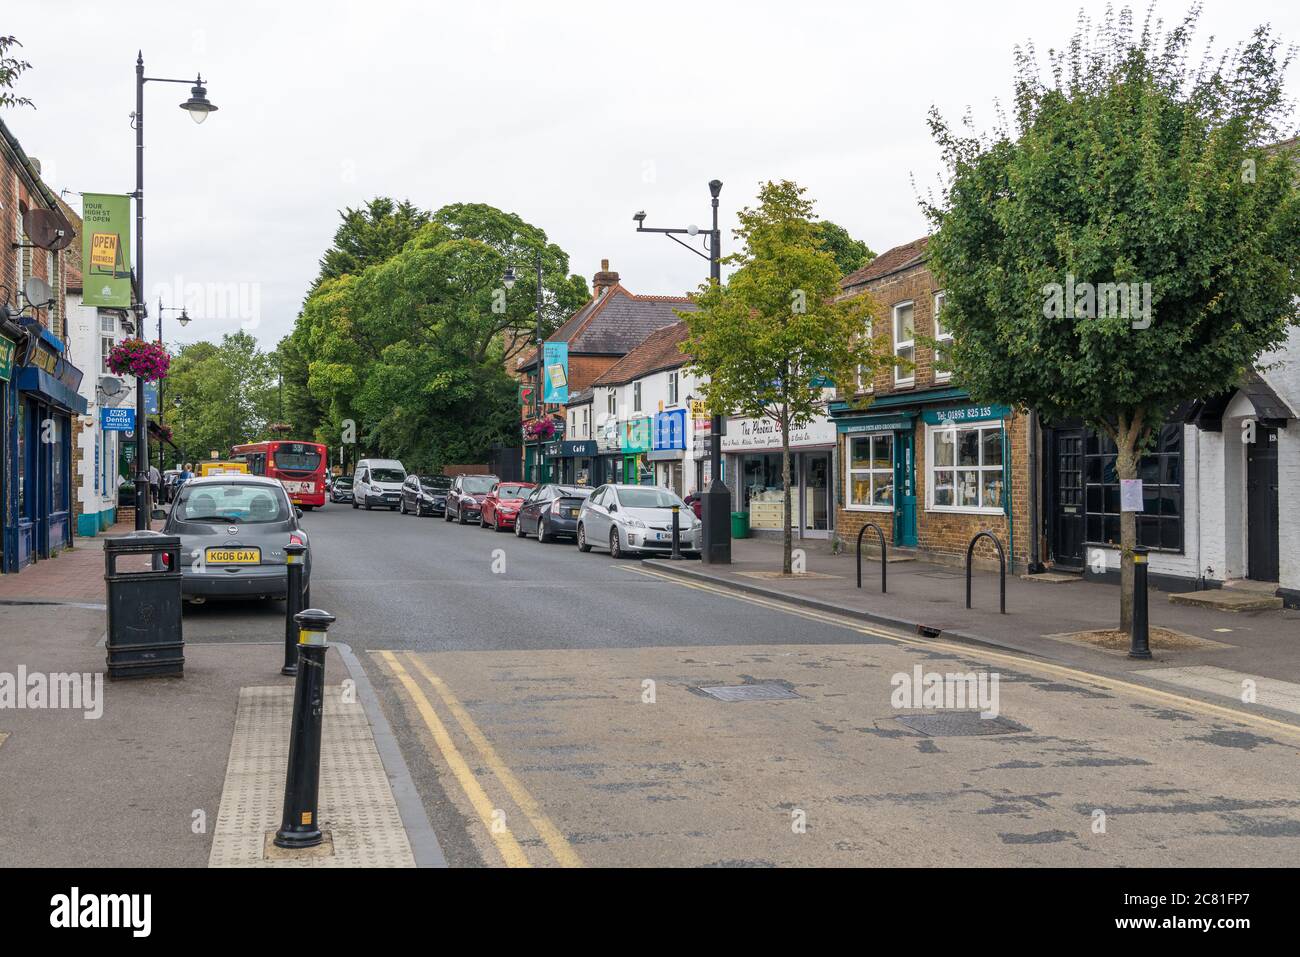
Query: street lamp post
{"points": [[509, 280], [198, 108], [184, 320], [717, 499]]}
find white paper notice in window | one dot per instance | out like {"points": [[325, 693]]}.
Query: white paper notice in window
{"points": [[1130, 495]]}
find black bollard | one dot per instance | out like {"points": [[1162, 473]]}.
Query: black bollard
{"points": [[677, 533], [299, 823], [293, 599], [1140, 643]]}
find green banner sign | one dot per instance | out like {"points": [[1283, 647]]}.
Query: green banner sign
{"points": [[106, 250], [6, 359]]}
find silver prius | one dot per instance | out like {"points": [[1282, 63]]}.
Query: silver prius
{"points": [[632, 519], [233, 529]]}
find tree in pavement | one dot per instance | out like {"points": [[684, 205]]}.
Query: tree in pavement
{"points": [[1130, 244], [771, 342]]}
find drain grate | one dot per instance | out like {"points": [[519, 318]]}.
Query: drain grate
{"points": [[952, 723], [754, 692]]}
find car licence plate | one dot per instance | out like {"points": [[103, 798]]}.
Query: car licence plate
{"points": [[573, 512], [234, 556]]}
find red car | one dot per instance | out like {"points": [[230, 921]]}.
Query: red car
{"points": [[501, 506]]}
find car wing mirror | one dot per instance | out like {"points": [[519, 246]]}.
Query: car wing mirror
{"points": [[297, 512], [158, 514], [613, 508]]}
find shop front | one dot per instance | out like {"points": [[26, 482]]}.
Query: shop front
{"points": [[635, 442], [931, 470], [41, 399], [571, 462], [667, 455], [752, 451]]}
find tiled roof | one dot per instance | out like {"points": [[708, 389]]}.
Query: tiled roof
{"points": [[890, 261], [615, 324], [581, 397], [659, 351]]}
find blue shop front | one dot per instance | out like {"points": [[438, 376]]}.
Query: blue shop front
{"points": [[38, 399]]}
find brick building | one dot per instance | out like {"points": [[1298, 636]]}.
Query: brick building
{"points": [[921, 461], [607, 327], [39, 402]]}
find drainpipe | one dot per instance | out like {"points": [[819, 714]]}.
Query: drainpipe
{"points": [[1035, 559]]}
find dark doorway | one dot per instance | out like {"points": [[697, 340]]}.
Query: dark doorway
{"points": [[1262, 506], [1068, 514]]}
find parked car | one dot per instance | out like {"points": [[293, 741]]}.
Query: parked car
{"points": [[341, 489], [502, 505], [424, 495], [466, 495], [378, 482], [233, 529], [551, 512], [632, 519]]}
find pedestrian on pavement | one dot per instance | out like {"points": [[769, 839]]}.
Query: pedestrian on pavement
{"points": [[155, 481]]}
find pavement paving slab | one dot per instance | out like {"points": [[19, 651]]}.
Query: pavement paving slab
{"points": [[356, 807]]}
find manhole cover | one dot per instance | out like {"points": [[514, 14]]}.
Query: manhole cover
{"points": [[947, 723], [754, 692]]}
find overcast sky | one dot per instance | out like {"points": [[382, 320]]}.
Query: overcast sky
{"points": [[573, 115]]}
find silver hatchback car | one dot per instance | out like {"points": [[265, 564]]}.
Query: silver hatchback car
{"points": [[233, 530], [636, 519]]}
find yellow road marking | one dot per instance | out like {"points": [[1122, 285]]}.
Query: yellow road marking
{"points": [[558, 844], [1029, 664], [505, 841]]}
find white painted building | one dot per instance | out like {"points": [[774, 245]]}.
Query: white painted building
{"points": [[92, 333], [641, 418], [1221, 487]]}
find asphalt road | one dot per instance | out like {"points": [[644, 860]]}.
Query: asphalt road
{"points": [[547, 704]]}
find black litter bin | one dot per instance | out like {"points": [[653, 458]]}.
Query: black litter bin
{"points": [[144, 607]]}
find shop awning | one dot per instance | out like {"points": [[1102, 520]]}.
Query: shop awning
{"points": [[41, 383]]}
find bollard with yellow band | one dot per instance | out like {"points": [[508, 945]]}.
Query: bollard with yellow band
{"points": [[293, 558], [300, 822], [677, 532], [1140, 640]]}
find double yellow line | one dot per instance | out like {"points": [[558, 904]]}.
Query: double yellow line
{"points": [[985, 654], [491, 816]]}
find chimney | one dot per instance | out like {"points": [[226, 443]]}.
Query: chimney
{"points": [[603, 280]]}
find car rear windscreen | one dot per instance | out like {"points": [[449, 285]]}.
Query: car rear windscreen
{"points": [[236, 503]]}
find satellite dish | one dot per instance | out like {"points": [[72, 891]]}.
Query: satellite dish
{"points": [[38, 292], [46, 229]]}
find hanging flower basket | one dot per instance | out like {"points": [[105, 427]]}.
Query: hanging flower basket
{"points": [[543, 429], [147, 361]]}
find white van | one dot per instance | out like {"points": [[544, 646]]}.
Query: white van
{"points": [[378, 482]]}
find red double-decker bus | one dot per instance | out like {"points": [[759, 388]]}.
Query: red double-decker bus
{"points": [[300, 467]]}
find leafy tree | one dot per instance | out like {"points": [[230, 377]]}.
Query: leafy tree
{"points": [[370, 235], [850, 254], [220, 394], [11, 68], [769, 342], [414, 349], [1129, 170]]}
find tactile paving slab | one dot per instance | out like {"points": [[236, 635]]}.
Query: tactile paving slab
{"points": [[356, 802]]}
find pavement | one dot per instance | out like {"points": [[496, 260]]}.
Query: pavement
{"points": [[931, 599], [181, 771]]}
